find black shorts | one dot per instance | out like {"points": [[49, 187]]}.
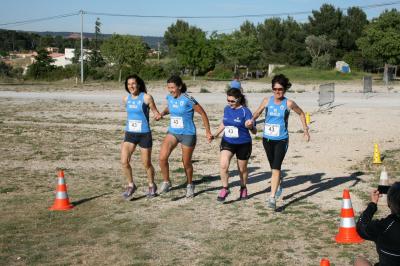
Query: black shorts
{"points": [[145, 140], [276, 151], [242, 151]]}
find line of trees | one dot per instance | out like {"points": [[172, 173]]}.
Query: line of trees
{"points": [[328, 36]]}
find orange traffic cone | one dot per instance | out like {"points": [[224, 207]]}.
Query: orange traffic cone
{"points": [[347, 230], [324, 262], [61, 202]]}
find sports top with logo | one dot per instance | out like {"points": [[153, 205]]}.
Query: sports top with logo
{"points": [[181, 114], [138, 114], [276, 120], [235, 131]]}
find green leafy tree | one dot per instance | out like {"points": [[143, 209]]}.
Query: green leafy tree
{"points": [[282, 41], [42, 66], [353, 24], [174, 34], [124, 50], [95, 59], [381, 38], [319, 47]]}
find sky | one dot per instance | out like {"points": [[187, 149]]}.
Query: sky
{"points": [[21, 10]]}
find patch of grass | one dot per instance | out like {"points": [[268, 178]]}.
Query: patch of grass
{"points": [[204, 90]]}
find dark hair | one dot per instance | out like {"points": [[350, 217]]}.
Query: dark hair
{"points": [[139, 83], [178, 82], [236, 75], [393, 198], [282, 80], [238, 95]]}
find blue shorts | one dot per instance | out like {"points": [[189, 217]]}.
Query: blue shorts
{"points": [[187, 140], [145, 140]]}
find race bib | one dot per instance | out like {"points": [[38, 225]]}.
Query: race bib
{"points": [[135, 125], [176, 122], [231, 132], [272, 130]]}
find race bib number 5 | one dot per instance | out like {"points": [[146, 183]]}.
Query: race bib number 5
{"points": [[135, 126], [231, 132], [272, 130], [176, 122]]}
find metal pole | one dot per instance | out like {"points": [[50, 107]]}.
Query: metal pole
{"points": [[82, 46]]}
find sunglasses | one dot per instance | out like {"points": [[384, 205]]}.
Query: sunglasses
{"points": [[277, 89], [231, 101]]}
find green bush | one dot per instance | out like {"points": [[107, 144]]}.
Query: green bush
{"points": [[321, 62], [220, 72], [152, 72]]}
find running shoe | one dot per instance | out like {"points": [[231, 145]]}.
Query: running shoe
{"points": [[272, 203], [165, 187], [278, 192], [152, 191], [223, 193], [243, 193], [129, 192], [189, 191]]}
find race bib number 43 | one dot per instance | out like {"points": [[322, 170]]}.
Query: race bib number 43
{"points": [[231, 132], [135, 126], [176, 122], [272, 130]]}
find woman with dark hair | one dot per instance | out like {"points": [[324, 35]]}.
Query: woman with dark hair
{"points": [[236, 140], [384, 232], [181, 130], [137, 132], [276, 136]]}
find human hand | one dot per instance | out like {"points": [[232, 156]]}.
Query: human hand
{"points": [[249, 123], [157, 116], [306, 135], [375, 196], [209, 137]]}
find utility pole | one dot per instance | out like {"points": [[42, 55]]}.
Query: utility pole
{"points": [[158, 52], [81, 46]]}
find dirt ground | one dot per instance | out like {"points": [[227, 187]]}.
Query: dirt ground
{"points": [[45, 128]]}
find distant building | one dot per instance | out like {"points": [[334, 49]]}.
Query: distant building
{"points": [[52, 49]]}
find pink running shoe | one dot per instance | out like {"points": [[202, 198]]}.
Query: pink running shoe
{"points": [[223, 193], [243, 193]]}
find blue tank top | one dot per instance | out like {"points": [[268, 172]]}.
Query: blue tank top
{"points": [[138, 114], [181, 114], [235, 131], [276, 120]]}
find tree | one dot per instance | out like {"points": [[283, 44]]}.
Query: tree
{"points": [[42, 66], [319, 47], [381, 38], [124, 50], [95, 59], [174, 34], [352, 27]]}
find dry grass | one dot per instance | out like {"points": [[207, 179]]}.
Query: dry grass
{"points": [[39, 137]]}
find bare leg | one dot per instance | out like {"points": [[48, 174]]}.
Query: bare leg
{"points": [[244, 174], [275, 181], [225, 160], [187, 153], [362, 262], [148, 166], [167, 147], [127, 149]]}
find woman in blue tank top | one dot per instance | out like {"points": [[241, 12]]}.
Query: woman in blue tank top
{"points": [[235, 141], [137, 132], [181, 129], [275, 136]]}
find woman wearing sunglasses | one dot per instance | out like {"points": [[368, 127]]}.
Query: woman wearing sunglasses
{"points": [[236, 140], [276, 136]]}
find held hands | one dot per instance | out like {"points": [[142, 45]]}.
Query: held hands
{"points": [[249, 123], [375, 196], [157, 116], [209, 137]]}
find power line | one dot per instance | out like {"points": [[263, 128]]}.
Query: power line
{"points": [[233, 16], [23, 22]]}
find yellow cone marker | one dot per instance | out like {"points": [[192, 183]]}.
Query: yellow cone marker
{"points": [[377, 155]]}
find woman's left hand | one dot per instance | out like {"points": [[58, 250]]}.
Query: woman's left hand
{"points": [[209, 137], [306, 135]]}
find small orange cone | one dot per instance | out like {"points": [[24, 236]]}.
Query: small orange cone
{"points": [[347, 230], [61, 202], [324, 262]]}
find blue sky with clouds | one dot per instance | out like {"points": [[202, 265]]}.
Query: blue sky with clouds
{"points": [[20, 10]]}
